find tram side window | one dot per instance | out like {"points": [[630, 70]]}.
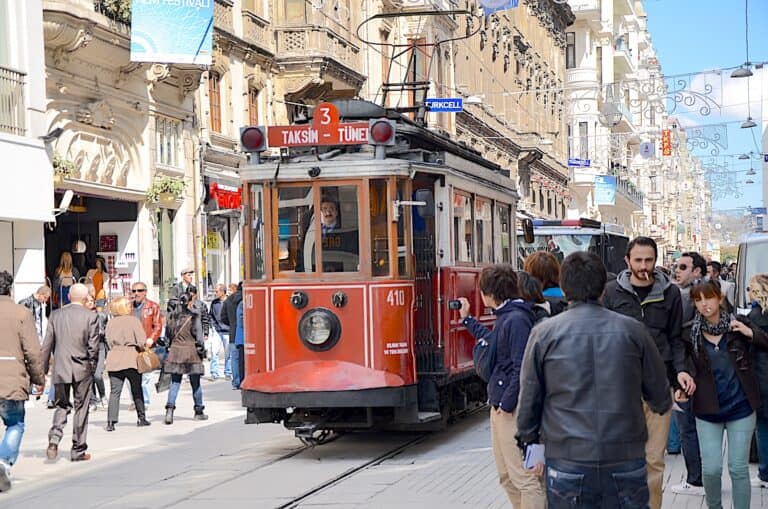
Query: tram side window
{"points": [[296, 232], [257, 232], [502, 233], [379, 228], [340, 229], [462, 228], [484, 226], [402, 226]]}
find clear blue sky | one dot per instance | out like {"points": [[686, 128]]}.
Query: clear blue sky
{"points": [[696, 35]]}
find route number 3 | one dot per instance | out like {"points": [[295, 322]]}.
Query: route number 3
{"points": [[396, 298], [325, 116]]}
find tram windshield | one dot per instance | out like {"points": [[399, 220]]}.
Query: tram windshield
{"points": [[332, 236]]}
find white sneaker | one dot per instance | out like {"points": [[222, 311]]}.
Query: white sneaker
{"points": [[686, 489], [5, 476], [756, 482]]}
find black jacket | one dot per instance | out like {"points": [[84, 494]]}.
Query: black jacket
{"points": [[741, 352], [585, 375], [229, 313], [760, 366], [217, 312], [661, 312], [514, 320]]}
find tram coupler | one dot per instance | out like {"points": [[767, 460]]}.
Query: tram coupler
{"points": [[307, 430]]}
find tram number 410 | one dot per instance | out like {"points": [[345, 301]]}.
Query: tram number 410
{"points": [[396, 298]]}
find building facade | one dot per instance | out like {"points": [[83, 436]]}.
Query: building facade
{"points": [[126, 128], [27, 204]]}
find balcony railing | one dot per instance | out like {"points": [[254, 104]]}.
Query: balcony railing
{"points": [[12, 104]]}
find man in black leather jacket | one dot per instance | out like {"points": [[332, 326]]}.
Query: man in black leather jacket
{"points": [[585, 375]]}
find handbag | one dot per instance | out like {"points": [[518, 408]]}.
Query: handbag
{"points": [[147, 361]]}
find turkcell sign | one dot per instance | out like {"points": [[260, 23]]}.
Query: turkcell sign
{"points": [[345, 133], [445, 105], [579, 163], [759, 211]]}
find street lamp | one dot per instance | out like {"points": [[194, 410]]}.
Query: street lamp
{"points": [[743, 157], [610, 116], [744, 71], [751, 172], [748, 123]]}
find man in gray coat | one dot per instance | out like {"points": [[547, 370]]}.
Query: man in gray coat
{"points": [[73, 338], [19, 363]]}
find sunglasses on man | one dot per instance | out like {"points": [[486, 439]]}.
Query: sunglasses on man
{"points": [[139, 290], [682, 266]]}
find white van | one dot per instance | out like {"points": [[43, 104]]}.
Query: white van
{"points": [[753, 259]]}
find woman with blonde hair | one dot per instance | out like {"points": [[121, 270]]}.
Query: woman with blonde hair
{"points": [[65, 275], [125, 339], [758, 296]]}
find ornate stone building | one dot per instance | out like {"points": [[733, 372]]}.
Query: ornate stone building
{"points": [[125, 126]]}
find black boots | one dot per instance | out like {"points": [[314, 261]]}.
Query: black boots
{"points": [[199, 415], [110, 426], [143, 422], [169, 414]]}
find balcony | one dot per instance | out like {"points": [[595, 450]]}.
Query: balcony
{"points": [[623, 59], [119, 11], [12, 104], [654, 196], [222, 15], [256, 31], [628, 189], [584, 9]]}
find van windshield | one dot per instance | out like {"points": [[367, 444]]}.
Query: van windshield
{"points": [[753, 259], [560, 245]]}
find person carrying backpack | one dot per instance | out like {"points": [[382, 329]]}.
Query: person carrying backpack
{"points": [[514, 320]]}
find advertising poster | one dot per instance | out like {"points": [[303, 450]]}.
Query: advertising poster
{"points": [[605, 190], [172, 31]]}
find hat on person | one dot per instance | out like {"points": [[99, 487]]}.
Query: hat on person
{"points": [[188, 269]]}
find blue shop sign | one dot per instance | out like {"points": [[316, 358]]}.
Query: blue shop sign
{"points": [[452, 105]]}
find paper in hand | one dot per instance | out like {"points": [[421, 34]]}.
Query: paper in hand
{"points": [[534, 455]]}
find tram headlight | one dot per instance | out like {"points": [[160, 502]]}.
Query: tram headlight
{"points": [[319, 329]]}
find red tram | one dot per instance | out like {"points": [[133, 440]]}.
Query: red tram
{"points": [[353, 253]]}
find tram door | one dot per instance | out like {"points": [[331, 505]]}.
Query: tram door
{"points": [[429, 357]]}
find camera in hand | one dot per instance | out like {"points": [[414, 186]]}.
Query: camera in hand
{"points": [[454, 304]]}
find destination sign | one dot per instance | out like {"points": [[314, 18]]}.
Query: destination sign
{"points": [[346, 133]]}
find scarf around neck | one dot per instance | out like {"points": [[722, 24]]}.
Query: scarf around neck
{"points": [[701, 325]]}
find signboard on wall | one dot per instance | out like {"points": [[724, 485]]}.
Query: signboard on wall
{"points": [[172, 31], [605, 190], [666, 142]]}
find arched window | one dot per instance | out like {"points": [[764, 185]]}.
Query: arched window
{"points": [[214, 100]]}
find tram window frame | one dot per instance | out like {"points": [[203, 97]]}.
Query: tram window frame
{"points": [[486, 238], [377, 272], [455, 230], [340, 215], [499, 233], [404, 191], [364, 259], [256, 239]]}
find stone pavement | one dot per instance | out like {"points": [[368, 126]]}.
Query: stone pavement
{"points": [[223, 462]]}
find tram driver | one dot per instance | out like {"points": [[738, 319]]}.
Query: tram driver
{"points": [[339, 239]]}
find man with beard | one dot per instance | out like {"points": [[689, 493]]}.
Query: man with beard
{"points": [[648, 295]]}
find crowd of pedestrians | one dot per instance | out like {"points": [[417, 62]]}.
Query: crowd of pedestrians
{"points": [[599, 367], [81, 340]]}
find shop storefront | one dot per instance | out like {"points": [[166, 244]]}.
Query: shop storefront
{"points": [[221, 245]]}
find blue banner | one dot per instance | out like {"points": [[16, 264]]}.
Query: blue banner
{"points": [[491, 6], [605, 190], [579, 163], [172, 31]]}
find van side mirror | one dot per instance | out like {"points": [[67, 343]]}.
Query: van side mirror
{"points": [[528, 230]]}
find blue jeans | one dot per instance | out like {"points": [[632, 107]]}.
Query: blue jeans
{"points": [[227, 354], [762, 444], [739, 439], [217, 343], [689, 438], [572, 484], [12, 413], [673, 441], [235, 359], [197, 391]]}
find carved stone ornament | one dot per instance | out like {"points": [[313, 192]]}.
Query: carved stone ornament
{"points": [[64, 39], [97, 114], [126, 71], [158, 73]]}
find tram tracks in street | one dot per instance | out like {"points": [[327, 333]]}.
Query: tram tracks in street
{"points": [[354, 470]]}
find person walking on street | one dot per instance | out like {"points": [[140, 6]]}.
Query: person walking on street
{"points": [[544, 266], [690, 270], [758, 316], [646, 294], [220, 335], [148, 313], [20, 364], [65, 275], [73, 339], [186, 350], [729, 289], [99, 389], [584, 377], [514, 318], [37, 303], [125, 338], [229, 318], [238, 359], [181, 287], [721, 351]]}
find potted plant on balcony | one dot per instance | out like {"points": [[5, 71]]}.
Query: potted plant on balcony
{"points": [[165, 190], [62, 168]]}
